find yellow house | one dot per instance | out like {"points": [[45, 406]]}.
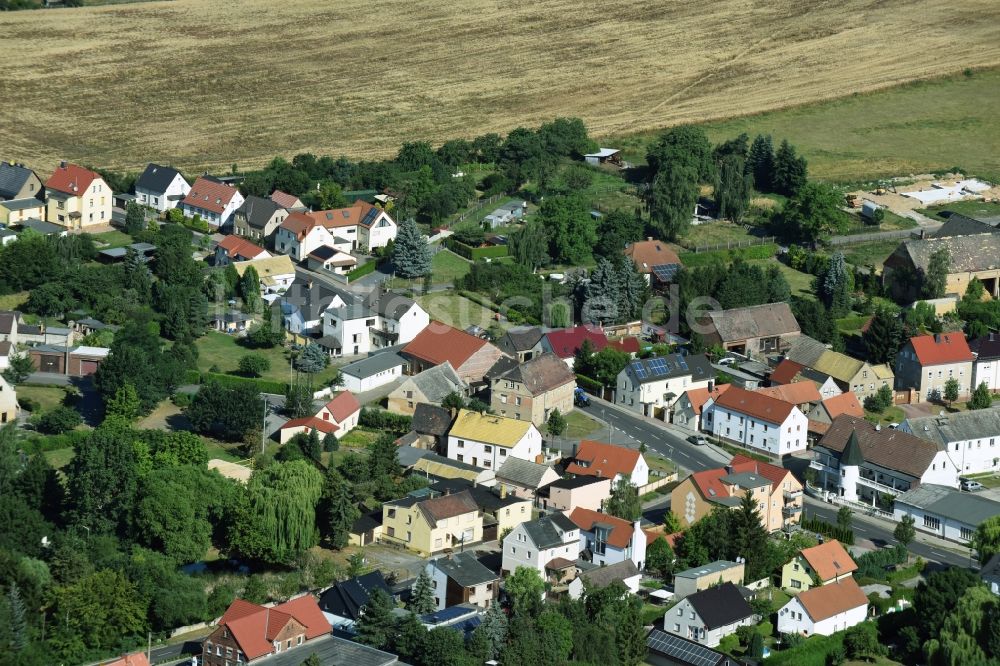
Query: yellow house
{"points": [[820, 565], [428, 526], [9, 406], [16, 211], [77, 198]]}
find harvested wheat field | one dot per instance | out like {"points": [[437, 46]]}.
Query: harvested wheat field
{"points": [[201, 83]]}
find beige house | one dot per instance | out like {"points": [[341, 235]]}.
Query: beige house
{"points": [[18, 182], [588, 492], [701, 578], [523, 478], [850, 374], [17, 211], [927, 362], [532, 390], [428, 526], [77, 198], [430, 387], [826, 563], [8, 402], [970, 257]]}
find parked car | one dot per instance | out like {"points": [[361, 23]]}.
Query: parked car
{"points": [[697, 440], [727, 361], [580, 398], [971, 486]]}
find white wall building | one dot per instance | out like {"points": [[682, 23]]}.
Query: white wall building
{"points": [[487, 440], [370, 373], [161, 187], [535, 543], [971, 439], [756, 421], [648, 385], [708, 616], [610, 540], [299, 235], [824, 610], [945, 512], [213, 200], [986, 367]]}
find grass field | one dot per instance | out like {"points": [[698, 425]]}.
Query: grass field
{"points": [[359, 79], [579, 425], [58, 458], [114, 238], [223, 351], [456, 310], [869, 254], [46, 397], [13, 301], [970, 208], [447, 267]]}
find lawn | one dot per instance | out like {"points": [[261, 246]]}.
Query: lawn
{"points": [[974, 209], [890, 415], [113, 239], [799, 282], [714, 233], [45, 397], [448, 268], [988, 480], [13, 301], [660, 464], [456, 310], [359, 438], [579, 425], [224, 352], [217, 449], [869, 254], [58, 458]]}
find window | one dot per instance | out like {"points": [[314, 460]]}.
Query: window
{"points": [[796, 584], [488, 449], [680, 612], [460, 457], [392, 513], [931, 522], [677, 628], [392, 531], [461, 443], [966, 533], [229, 652], [288, 644]]}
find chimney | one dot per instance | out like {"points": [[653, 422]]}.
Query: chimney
{"points": [[649, 238], [937, 338], [62, 164], [503, 491], [878, 427], [711, 385], [729, 469]]}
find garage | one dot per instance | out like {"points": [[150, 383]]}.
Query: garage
{"points": [[88, 367], [49, 363]]}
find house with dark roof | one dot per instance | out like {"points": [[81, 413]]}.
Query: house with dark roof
{"points": [[550, 543], [429, 526], [927, 362], [213, 200], [430, 386], [331, 259], [470, 357], [756, 421], [754, 331], [609, 461], [77, 198], [160, 187], [565, 342], [523, 478], [850, 374], [257, 218], [862, 462], [521, 343], [341, 603], [459, 578], [248, 632], [945, 511], [708, 616], [589, 492], [824, 610], [971, 439], [974, 256], [960, 225], [624, 572], [664, 649], [532, 390], [652, 385], [18, 182], [986, 367]]}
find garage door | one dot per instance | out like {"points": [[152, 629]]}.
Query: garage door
{"points": [[88, 368], [48, 363]]}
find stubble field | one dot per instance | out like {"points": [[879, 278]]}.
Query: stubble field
{"points": [[204, 84]]}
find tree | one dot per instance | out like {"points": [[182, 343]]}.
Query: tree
{"points": [[660, 558], [836, 286], [275, 519], [937, 595], [671, 523], [411, 256], [453, 400], [50, 300], [861, 642], [624, 500], [375, 627], [20, 368], [530, 245], [443, 646], [525, 589], [881, 401], [422, 598], [733, 191], [790, 174], [672, 200], [125, 405], [556, 423], [970, 631], [570, 229], [330, 442], [986, 540], [935, 280], [268, 333], [951, 389], [755, 649], [254, 365], [135, 218], [312, 660], [904, 533], [102, 480], [884, 337], [844, 518], [59, 420], [299, 400], [683, 146], [981, 398], [229, 412], [329, 195], [18, 622], [312, 359], [760, 162], [337, 509], [493, 630], [615, 231], [99, 611], [813, 213]]}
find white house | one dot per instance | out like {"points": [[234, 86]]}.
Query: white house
{"points": [[487, 440], [609, 461], [652, 384], [400, 320], [945, 512], [610, 539], [375, 228], [372, 372], [348, 324], [862, 462], [213, 200], [756, 421], [824, 610], [299, 235], [161, 187], [337, 417], [986, 367], [361, 327], [536, 543], [970, 439], [708, 616]]}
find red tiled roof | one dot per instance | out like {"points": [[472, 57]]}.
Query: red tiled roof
{"points": [[629, 345], [565, 342], [818, 427], [755, 404], [439, 342], [135, 659], [786, 371], [671, 539], [845, 403], [312, 422], [342, 217], [284, 199], [306, 611], [648, 253], [240, 247], [255, 627], [209, 195], [796, 393], [299, 224], [71, 179], [941, 348], [829, 560], [604, 460], [343, 405], [825, 601], [700, 396], [621, 530]]}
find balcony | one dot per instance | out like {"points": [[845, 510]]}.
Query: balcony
{"points": [[791, 510], [389, 336], [793, 494], [881, 487], [822, 467]]}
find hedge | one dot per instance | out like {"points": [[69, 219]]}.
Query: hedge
{"points": [[475, 253], [873, 563], [40, 443], [379, 419], [362, 271], [844, 536], [263, 385], [512, 315], [692, 259], [812, 652], [589, 385]]}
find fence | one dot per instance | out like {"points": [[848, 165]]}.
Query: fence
{"points": [[858, 239], [659, 483], [731, 245], [489, 201]]}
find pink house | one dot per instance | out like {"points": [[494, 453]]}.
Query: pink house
{"points": [[587, 492]]}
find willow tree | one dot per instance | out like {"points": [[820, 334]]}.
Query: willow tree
{"points": [[276, 521]]}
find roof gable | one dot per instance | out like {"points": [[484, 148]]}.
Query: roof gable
{"points": [[541, 374], [795, 393], [210, 194], [755, 404], [889, 448], [489, 428], [603, 460], [825, 601], [720, 605], [620, 531], [156, 178], [71, 179], [829, 560], [756, 321], [845, 403], [12, 179], [234, 246], [342, 406], [941, 348], [439, 342], [648, 253]]}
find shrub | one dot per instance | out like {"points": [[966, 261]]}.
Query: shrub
{"points": [[59, 420], [362, 271], [182, 400], [874, 564], [379, 419], [845, 536], [254, 365]]}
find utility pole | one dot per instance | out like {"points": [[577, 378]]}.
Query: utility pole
{"points": [[263, 430]]}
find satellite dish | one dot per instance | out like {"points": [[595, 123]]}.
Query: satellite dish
{"points": [[941, 413]]}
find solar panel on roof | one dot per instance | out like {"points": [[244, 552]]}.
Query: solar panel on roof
{"points": [[675, 646], [665, 272], [681, 362], [639, 369]]}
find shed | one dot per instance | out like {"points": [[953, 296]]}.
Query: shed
{"points": [[604, 156]]}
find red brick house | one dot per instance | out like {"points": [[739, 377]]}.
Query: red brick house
{"points": [[247, 632]]}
